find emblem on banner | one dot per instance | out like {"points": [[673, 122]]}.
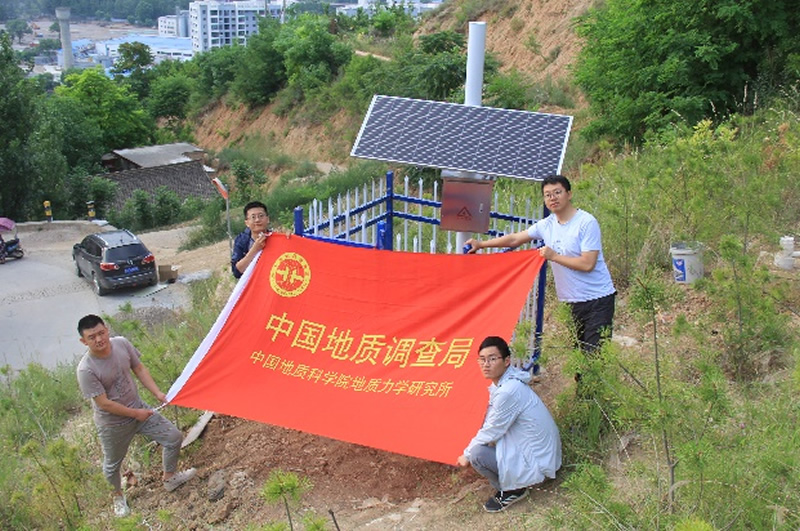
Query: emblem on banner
{"points": [[290, 275]]}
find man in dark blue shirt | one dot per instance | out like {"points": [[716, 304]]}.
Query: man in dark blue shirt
{"points": [[252, 239]]}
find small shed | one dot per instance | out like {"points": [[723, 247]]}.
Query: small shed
{"points": [[153, 156]]}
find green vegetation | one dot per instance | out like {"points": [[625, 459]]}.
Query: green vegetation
{"points": [[689, 399], [42, 475], [306, 66], [647, 65], [144, 211], [284, 486], [298, 185], [18, 28]]}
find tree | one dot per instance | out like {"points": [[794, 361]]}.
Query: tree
{"points": [[18, 28], [442, 41], [433, 76], [169, 96], [390, 20], [117, 113], [646, 65], [69, 125], [166, 207], [217, 70], [133, 57], [132, 67], [16, 117], [260, 73], [145, 14], [311, 54]]}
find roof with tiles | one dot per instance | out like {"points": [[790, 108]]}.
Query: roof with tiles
{"points": [[186, 179]]}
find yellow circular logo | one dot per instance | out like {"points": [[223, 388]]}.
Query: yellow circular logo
{"points": [[290, 275]]}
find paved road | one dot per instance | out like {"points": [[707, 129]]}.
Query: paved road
{"points": [[41, 298]]}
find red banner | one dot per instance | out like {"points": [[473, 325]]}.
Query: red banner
{"points": [[371, 347]]}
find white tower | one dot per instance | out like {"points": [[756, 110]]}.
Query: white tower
{"points": [[62, 14]]}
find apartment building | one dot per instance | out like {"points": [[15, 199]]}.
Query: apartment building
{"points": [[176, 25], [219, 23]]}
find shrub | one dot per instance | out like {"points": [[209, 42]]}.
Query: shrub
{"points": [[166, 208]]}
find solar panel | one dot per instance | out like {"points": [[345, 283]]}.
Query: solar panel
{"points": [[504, 142]]}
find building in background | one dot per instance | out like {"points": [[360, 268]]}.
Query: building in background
{"points": [[152, 156], [162, 48], [413, 7], [176, 25], [179, 166], [214, 24]]}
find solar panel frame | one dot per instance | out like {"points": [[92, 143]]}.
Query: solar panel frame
{"points": [[452, 136]]}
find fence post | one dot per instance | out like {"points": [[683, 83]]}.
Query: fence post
{"points": [[537, 345], [388, 239], [298, 221], [380, 238], [537, 342]]}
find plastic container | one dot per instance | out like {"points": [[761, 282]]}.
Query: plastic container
{"points": [[687, 261], [787, 244], [784, 259]]}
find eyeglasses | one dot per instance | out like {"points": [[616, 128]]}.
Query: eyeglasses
{"points": [[490, 360], [553, 194], [256, 217]]}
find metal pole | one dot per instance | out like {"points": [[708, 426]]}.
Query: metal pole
{"points": [[389, 210], [537, 345], [476, 50], [473, 89], [228, 215], [298, 221]]}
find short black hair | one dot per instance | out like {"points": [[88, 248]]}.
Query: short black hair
{"points": [[255, 204], [499, 343], [89, 321], [556, 179]]}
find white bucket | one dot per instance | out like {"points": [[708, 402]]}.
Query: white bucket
{"points": [[687, 261]]}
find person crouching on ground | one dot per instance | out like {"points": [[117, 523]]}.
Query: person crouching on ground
{"points": [[518, 444], [252, 239], [104, 376]]}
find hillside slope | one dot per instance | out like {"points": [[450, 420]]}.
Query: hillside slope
{"points": [[535, 37]]}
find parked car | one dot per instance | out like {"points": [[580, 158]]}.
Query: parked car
{"points": [[114, 259]]}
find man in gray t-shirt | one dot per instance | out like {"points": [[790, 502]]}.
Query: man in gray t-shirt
{"points": [[105, 376]]}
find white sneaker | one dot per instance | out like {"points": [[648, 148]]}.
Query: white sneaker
{"points": [[179, 479], [121, 506]]}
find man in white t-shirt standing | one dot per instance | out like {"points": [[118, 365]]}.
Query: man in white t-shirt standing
{"points": [[105, 378], [572, 245]]}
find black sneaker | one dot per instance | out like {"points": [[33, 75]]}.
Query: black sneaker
{"points": [[503, 499]]}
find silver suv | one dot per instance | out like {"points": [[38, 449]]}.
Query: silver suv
{"points": [[115, 259]]}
